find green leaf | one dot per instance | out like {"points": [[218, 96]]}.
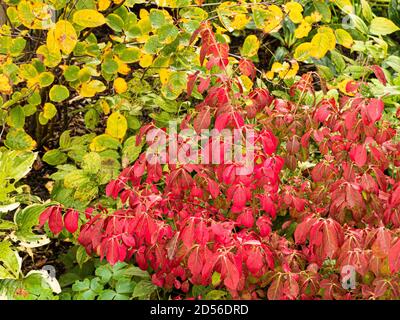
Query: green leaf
{"points": [[18, 139], [46, 79], [71, 73], [91, 163], [130, 55], [216, 295], [175, 85], [130, 151], [167, 33], [26, 220], [65, 139], [17, 117], [115, 22], [58, 93], [103, 142], [55, 157], [143, 289], [124, 286], [157, 18], [381, 26], [10, 265], [107, 295]]}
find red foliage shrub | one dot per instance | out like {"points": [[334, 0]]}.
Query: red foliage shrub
{"points": [[323, 194]]}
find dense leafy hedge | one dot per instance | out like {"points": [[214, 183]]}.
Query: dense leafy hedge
{"points": [[89, 87]]}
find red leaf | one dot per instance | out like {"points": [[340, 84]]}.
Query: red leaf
{"points": [[112, 254], [254, 262], [222, 121], [246, 219], [204, 84], [44, 216], [202, 121], [379, 74], [359, 155], [239, 198], [247, 68], [275, 290], [71, 220], [195, 262], [229, 272], [191, 82], [394, 258], [374, 109], [56, 220]]}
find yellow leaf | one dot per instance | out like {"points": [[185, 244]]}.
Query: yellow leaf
{"points": [[105, 106], [291, 73], [276, 67], [143, 14], [240, 21], [49, 110], [164, 75], [275, 17], [65, 36], [89, 89], [294, 9], [315, 17], [269, 75], [116, 125], [302, 30], [345, 5], [247, 83], [344, 38], [331, 36], [284, 70], [103, 4], [123, 68], [88, 18], [146, 60], [51, 42], [120, 85], [321, 43], [5, 86], [302, 52], [268, 19]]}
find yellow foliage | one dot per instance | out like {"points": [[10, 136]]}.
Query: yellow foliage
{"points": [[120, 85], [294, 9], [117, 125]]}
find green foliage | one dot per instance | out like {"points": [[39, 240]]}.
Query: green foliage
{"points": [[118, 282]]}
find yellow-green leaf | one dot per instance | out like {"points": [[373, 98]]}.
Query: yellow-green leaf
{"points": [[88, 18], [58, 93], [250, 46], [344, 38], [382, 26], [89, 89], [49, 110], [302, 52], [116, 125]]}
